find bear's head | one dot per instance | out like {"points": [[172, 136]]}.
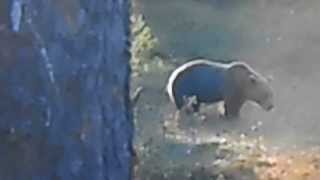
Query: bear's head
{"points": [[252, 85]]}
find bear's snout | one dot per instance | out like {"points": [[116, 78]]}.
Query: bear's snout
{"points": [[266, 105]]}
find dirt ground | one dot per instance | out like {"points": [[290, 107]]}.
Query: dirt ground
{"points": [[279, 38]]}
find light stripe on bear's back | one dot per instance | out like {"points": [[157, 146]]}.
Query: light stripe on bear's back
{"points": [[174, 76]]}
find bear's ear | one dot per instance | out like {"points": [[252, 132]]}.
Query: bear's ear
{"points": [[253, 79]]}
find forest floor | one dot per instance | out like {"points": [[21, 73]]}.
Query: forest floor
{"points": [[278, 38]]}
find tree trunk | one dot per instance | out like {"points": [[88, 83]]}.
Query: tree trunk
{"points": [[64, 73]]}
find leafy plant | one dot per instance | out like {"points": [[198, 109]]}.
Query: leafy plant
{"points": [[143, 42]]}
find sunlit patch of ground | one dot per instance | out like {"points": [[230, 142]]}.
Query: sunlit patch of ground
{"points": [[230, 158], [269, 164], [303, 165]]}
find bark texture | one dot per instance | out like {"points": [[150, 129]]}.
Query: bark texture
{"points": [[64, 73]]}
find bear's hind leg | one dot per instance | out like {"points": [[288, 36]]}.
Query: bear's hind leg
{"points": [[195, 107], [191, 104]]}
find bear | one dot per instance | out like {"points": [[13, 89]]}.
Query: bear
{"points": [[208, 82]]}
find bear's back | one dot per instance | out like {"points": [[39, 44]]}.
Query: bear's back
{"points": [[201, 78]]}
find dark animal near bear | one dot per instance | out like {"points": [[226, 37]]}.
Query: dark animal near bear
{"points": [[210, 82]]}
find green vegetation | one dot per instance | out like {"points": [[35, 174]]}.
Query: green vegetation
{"points": [[143, 42]]}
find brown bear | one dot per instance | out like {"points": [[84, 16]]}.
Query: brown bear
{"points": [[210, 82]]}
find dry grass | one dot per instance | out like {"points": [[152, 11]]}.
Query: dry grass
{"points": [[292, 166]]}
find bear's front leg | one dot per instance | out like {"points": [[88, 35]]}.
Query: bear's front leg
{"points": [[232, 106]]}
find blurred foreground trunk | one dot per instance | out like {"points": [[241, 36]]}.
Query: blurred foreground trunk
{"points": [[64, 108]]}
